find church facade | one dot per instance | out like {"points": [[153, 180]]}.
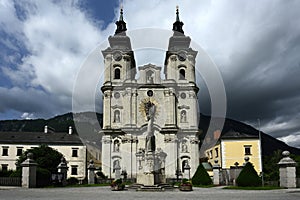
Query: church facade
{"points": [[150, 124]]}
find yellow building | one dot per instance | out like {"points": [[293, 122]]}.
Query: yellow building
{"points": [[232, 148]]}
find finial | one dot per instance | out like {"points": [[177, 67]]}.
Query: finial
{"points": [[177, 13], [121, 13], [177, 25], [121, 25]]}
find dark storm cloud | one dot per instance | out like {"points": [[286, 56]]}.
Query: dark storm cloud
{"points": [[33, 101]]}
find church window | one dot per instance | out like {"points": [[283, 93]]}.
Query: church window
{"points": [[184, 163], [181, 74], [150, 93], [117, 73], [116, 116], [183, 116]]}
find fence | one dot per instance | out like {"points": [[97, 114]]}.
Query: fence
{"points": [[10, 181]]}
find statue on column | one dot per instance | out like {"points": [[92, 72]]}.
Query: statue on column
{"points": [[150, 138]]}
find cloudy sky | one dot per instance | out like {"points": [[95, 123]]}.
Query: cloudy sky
{"points": [[255, 46]]}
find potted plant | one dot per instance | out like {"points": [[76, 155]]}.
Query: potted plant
{"points": [[117, 185], [185, 185]]}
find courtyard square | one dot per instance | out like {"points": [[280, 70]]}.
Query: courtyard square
{"points": [[103, 193]]}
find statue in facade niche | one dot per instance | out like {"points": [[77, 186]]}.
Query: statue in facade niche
{"points": [[150, 138]]}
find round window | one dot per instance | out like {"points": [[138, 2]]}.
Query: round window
{"points": [[150, 93]]}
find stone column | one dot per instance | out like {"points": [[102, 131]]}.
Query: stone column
{"points": [[287, 171], [29, 172], [216, 172], [91, 172]]}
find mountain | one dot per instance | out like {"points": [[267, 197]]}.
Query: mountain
{"points": [[88, 124]]}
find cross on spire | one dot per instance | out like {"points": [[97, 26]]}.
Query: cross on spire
{"points": [[121, 25], [177, 25]]}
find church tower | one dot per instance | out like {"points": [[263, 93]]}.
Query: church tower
{"points": [[119, 69], [150, 124], [179, 72]]}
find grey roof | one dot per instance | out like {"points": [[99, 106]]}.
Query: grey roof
{"points": [[235, 135], [39, 138]]}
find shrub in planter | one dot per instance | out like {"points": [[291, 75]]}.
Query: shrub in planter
{"points": [[185, 185], [201, 177], [248, 177], [117, 185]]}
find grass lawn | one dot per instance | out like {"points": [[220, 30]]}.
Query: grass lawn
{"points": [[204, 186]]}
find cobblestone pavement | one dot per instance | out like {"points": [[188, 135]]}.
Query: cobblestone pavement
{"points": [[103, 193]]}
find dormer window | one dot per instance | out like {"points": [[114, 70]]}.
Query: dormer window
{"points": [[117, 73]]}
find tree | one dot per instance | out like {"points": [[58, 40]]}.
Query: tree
{"points": [[248, 176], [270, 166], [46, 157], [201, 177]]}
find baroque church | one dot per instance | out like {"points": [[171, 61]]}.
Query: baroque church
{"points": [[150, 124]]}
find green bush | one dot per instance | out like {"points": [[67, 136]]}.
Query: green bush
{"points": [[72, 181], [43, 177], [17, 173], [6, 173], [201, 177], [248, 177]]}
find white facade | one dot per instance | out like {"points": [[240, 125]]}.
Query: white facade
{"points": [[125, 100], [75, 155]]}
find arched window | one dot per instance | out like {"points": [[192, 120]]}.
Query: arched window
{"points": [[181, 74], [184, 163], [117, 73], [117, 116]]}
